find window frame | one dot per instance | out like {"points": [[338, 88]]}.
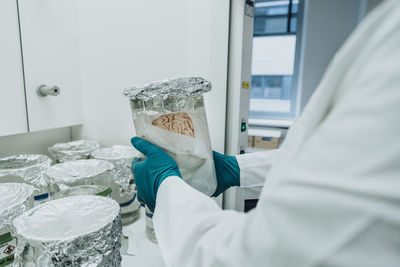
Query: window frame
{"points": [[289, 17], [295, 90]]}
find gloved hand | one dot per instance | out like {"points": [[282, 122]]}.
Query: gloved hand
{"points": [[228, 172], [151, 172]]}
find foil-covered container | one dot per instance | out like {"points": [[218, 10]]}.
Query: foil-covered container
{"points": [[73, 231], [27, 169], [15, 199], [124, 189], [80, 172], [178, 87], [81, 149], [97, 190], [121, 157]]}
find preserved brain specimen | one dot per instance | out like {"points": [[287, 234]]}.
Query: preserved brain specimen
{"points": [[179, 122]]}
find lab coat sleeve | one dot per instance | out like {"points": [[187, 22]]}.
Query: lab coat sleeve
{"points": [[192, 230], [254, 167]]}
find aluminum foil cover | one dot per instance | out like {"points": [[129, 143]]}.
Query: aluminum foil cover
{"points": [[72, 231], [74, 150], [121, 157], [14, 201], [68, 173], [178, 87], [29, 167]]}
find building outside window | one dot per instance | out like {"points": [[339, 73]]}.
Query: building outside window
{"points": [[272, 94]]}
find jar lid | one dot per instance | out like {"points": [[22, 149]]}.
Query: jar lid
{"points": [[29, 167], [178, 87], [14, 194], [74, 150], [116, 152], [72, 171], [66, 218], [14, 200]]}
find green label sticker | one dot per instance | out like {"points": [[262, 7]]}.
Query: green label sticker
{"points": [[5, 238], [105, 193], [7, 260]]}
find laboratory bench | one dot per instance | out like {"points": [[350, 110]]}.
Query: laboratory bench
{"points": [[138, 250]]}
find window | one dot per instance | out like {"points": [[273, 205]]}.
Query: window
{"points": [[272, 95], [275, 17]]}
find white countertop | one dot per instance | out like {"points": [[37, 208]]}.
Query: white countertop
{"points": [[146, 252]]}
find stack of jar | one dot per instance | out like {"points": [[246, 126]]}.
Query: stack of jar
{"points": [[82, 169], [109, 168]]}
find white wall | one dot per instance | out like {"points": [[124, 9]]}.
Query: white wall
{"points": [[125, 43], [326, 25], [33, 143]]}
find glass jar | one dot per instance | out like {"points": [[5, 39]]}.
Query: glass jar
{"points": [[28, 169], [149, 225], [171, 114], [75, 231], [75, 150], [97, 190], [124, 189], [130, 211], [15, 198], [80, 172]]}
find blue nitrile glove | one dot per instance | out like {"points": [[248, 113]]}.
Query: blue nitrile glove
{"points": [[228, 172], [151, 172]]}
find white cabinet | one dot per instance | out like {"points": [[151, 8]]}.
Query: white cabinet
{"points": [[12, 98], [50, 50], [39, 45]]}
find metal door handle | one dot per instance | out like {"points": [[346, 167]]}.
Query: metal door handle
{"points": [[45, 90]]}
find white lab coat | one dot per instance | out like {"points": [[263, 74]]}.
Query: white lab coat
{"points": [[333, 196]]}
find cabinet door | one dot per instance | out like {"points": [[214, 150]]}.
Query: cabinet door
{"points": [[50, 49], [12, 96]]}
